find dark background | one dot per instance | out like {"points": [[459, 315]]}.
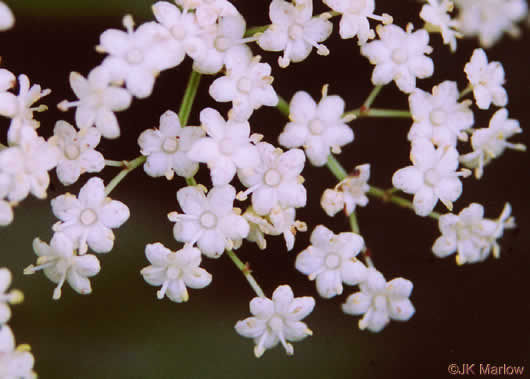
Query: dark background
{"points": [[472, 314]]}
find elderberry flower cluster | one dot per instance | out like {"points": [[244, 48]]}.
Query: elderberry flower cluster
{"points": [[216, 218]]}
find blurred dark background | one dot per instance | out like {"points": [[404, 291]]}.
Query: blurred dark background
{"points": [[472, 314]]}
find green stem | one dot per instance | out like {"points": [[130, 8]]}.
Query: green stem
{"points": [[371, 97], [246, 272], [376, 112], [113, 163], [255, 30], [336, 168], [404, 203], [189, 97], [467, 90], [191, 181], [283, 106], [129, 166]]}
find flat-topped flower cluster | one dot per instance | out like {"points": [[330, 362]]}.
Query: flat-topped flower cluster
{"points": [[215, 36]]}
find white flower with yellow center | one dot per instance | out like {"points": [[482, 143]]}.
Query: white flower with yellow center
{"points": [[208, 11], [437, 18], [174, 271], [210, 221], [11, 297], [277, 320], [16, 362], [89, 218], [380, 301]]}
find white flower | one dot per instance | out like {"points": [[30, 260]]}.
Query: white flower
{"points": [[348, 193], [27, 166], [440, 117], [208, 11], [174, 271], [276, 181], [59, 263], [77, 154], [433, 176], [319, 128], [471, 235], [247, 84], [19, 108], [330, 259], [6, 211], [226, 147], [437, 18], [355, 15], [399, 56], [7, 20], [89, 219], [15, 363], [11, 297], [487, 80], [166, 148], [295, 31], [98, 100], [138, 55], [7, 79], [489, 143], [210, 221], [277, 320], [380, 301], [490, 19]]}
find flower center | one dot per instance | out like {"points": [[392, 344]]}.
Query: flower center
{"points": [[332, 261], [244, 84], [208, 220], [88, 217], [227, 146], [399, 55], [357, 6], [316, 127], [170, 145], [432, 177], [222, 43], [296, 32], [173, 272], [71, 151], [380, 302], [276, 324], [438, 117], [135, 56], [272, 177], [178, 32]]}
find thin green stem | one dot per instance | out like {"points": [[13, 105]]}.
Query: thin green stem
{"points": [[283, 106], [189, 97], [336, 168], [113, 163], [255, 30], [467, 90], [191, 181], [245, 270], [377, 112], [129, 166], [354, 224], [371, 97]]}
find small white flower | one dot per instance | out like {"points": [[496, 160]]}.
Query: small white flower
{"points": [[433, 176], [7, 80], [330, 259], [294, 31], [277, 320], [174, 271], [11, 297], [166, 148], [380, 301], [89, 218], [440, 117], [437, 18], [226, 148], [399, 56], [6, 212], [208, 11], [489, 143], [487, 80], [15, 363], [7, 20], [276, 181], [98, 100], [60, 263], [490, 19], [27, 166], [470, 235], [210, 221], [247, 84], [348, 193], [319, 128], [355, 15], [77, 154], [138, 55], [19, 108]]}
